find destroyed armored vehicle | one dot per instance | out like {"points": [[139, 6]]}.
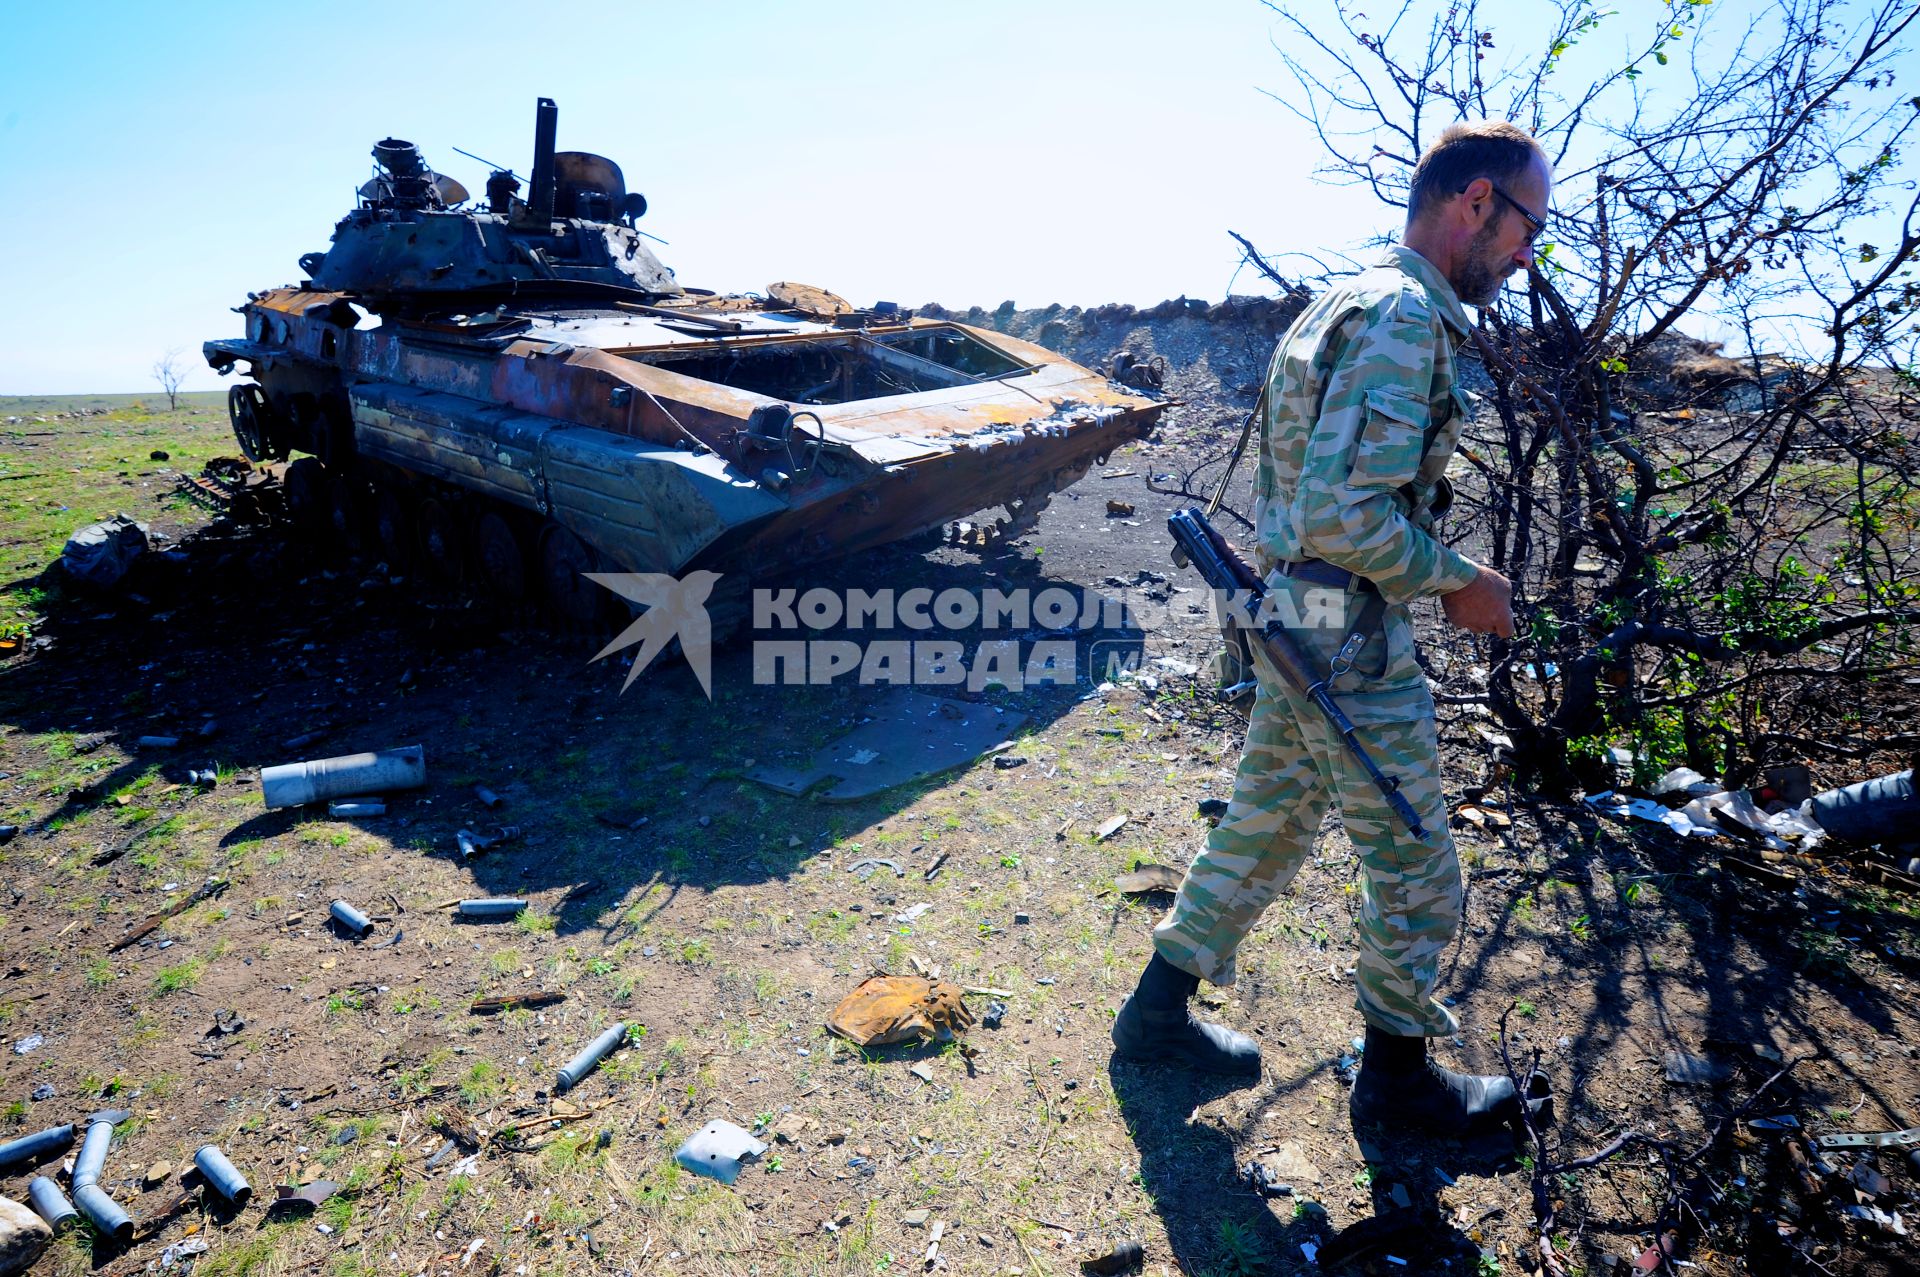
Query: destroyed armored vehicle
{"points": [[518, 394]]}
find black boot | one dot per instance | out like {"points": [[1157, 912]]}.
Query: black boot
{"points": [[1154, 1025], [1399, 1086]]}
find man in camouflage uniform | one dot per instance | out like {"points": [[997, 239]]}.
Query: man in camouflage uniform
{"points": [[1362, 413]]}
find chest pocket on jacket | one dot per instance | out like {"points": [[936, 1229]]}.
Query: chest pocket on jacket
{"points": [[1392, 439]]}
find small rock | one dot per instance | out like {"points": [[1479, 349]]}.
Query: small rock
{"points": [[156, 1174], [996, 1012], [923, 1071], [1289, 1162], [32, 1042], [1007, 762], [916, 1218], [1213, 808], [23, 1235], [1119, 510], [790, 1129], [1400, 1196], [346, 1135], [44, 1091]]}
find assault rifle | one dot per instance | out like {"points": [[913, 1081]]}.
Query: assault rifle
{"points": [[1197, 542]]}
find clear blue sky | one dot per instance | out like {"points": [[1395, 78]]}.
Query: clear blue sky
{"points": [[162, 160]]}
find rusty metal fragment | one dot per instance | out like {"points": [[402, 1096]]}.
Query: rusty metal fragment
{"points": [[514, 1002]]}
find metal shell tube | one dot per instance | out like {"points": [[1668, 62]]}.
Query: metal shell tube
{"points": [[349, 775], [92, 1157], [497, 907], [31, 1148], [582, 1064], [220, 1173], [350, 918], [103, 1212], [49, 1203]]}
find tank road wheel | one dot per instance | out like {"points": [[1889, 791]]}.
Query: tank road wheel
{"points": [[247, 409], [563, 562], [346, 509], [307, 501], [501, 559], [393, 525], [438, 542]]}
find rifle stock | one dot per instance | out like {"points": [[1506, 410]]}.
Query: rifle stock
{"points": [[1222, 568]]}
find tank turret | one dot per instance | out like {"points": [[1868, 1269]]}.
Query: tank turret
{"points": [[412, 245]]}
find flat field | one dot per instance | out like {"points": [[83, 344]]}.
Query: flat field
{"points": [[722, 921]]}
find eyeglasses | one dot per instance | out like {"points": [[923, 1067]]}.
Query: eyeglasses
{"points": [[1534, 224]]}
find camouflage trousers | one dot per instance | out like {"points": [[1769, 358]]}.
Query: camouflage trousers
{"points": [[1293, 766]]}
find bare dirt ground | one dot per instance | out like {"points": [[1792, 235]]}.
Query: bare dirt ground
{"points": [[722, 922]]}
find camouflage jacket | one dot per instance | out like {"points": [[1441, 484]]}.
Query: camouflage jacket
{"points": [[1362, 416]]}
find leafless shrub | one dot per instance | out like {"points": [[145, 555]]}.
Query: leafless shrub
{"points": [[1716, 557]]}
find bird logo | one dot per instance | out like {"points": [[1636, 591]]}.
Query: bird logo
{"points": [[676, 608]]}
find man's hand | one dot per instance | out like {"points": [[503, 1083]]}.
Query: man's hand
{"points": [[1483, 607]]}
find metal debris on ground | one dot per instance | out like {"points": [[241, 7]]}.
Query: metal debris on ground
{"points": [[487, 797], [1882, 810], [49, 1203], [491, 909], [356, 808], [349, 919], [1124, 1257], [907, 736], [864, 867], [575, 1070], [29, 1149], [226, 1022], [291, 1200], [1261, 1179], [1145, 878], [718, 1150], [884, 1010], [210, 888], [221, 1175], [1113, 826], [515, 1002], [472, 844], [344, 776]]}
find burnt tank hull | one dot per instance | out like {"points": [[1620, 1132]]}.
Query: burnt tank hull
{"points": [[530, 427]]}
